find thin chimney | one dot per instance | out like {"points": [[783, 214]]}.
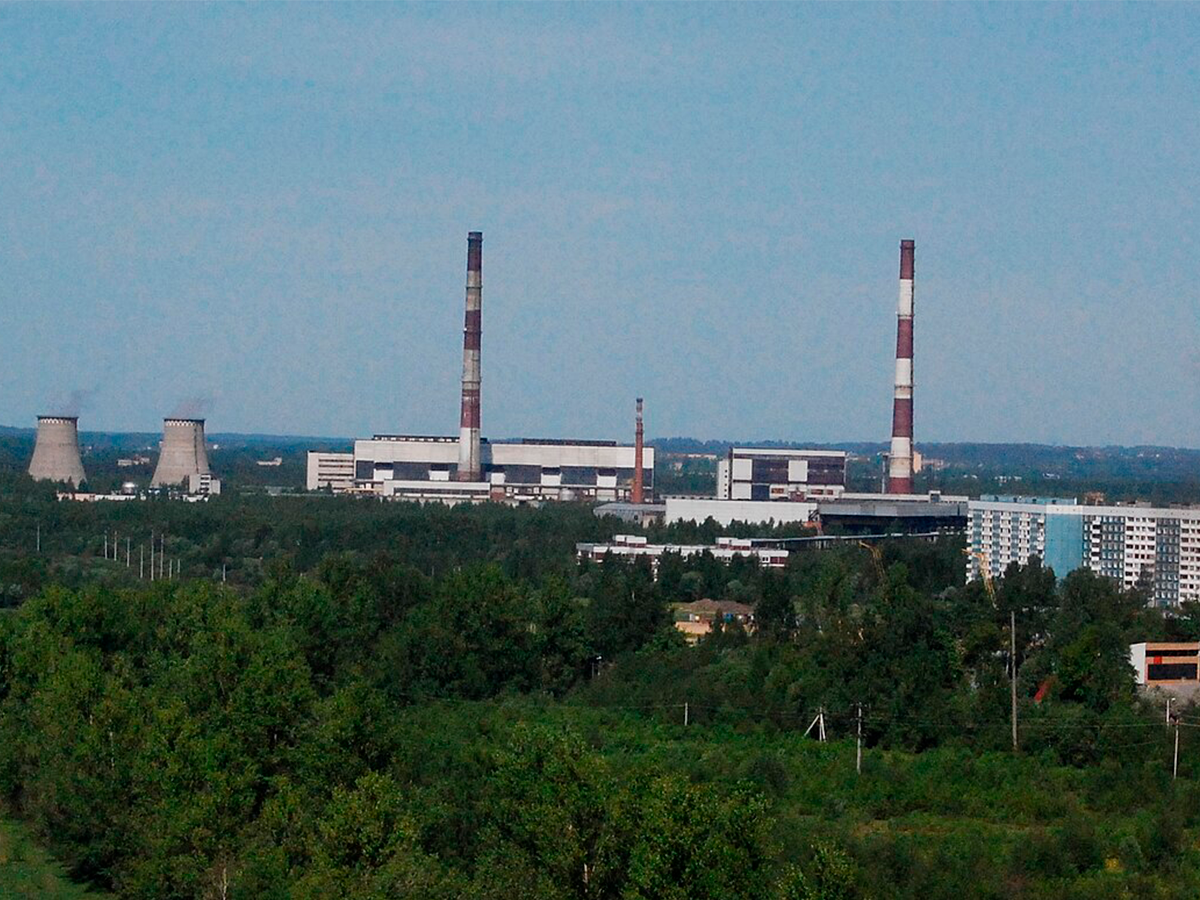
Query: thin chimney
{"points": [[469, 464], [638, 486], [900, 463]]}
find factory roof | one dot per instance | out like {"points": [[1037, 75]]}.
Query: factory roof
{"points": [[417, 438], [557, 442], [775, 451]]}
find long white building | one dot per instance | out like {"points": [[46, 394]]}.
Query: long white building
{"points": [[1157, 548], [632, 546], [426, 468]]}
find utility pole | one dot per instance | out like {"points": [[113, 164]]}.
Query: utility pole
{"points": [[152, 556], [223, 581], [1012, 637], [39, 537], [128, 549], [818, 723], [1175, 766], [858, 744], [141, 561], [685, 713], [106, 545]]}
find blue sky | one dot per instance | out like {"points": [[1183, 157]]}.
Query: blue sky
{"points": [[266, 207]]}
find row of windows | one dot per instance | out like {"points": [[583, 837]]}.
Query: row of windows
{"points": [[365, 470]]}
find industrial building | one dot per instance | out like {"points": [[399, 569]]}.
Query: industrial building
{"points": [[913, 513], [1166, 664], [755, 473], [726, 512], [203, 484], [56, 452], [329, 471], [525, 470], [632, 546], [1138, 546], [471, 469]]}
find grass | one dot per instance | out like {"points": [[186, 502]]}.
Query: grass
{"points": [[28, 872]]}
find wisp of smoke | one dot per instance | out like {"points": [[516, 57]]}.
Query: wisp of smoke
{"points": [[192, 408], [74, 403]]}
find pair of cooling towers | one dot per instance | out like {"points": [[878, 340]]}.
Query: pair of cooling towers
{"points": [[56, 453]]}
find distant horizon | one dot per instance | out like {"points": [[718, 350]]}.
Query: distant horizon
{"points": [[739, 442]]}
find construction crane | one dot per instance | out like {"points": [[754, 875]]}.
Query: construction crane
{"points": [[877, 556], [985, 572]]}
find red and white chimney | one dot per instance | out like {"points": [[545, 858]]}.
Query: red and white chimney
{"points": [[470, 466], [900, 463], [638, 485]]}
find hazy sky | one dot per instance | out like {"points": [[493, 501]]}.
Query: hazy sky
{"points": [[266, 207]]}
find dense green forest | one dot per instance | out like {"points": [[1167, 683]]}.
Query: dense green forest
{"points": [[388, 700]]}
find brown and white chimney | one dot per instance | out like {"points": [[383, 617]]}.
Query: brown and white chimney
{"points": [[638, 485], [900, 462], [470, 467]]}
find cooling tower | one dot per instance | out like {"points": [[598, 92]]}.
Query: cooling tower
{"points": [[56, 454], [182, 453]]}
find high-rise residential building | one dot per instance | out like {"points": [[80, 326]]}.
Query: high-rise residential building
{"points": [[1154, 548]]}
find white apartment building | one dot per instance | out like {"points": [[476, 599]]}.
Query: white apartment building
{"points": [[1156, 548]]}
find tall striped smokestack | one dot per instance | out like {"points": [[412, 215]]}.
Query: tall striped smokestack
{"points": [[638, 486], [470, 467], [900, 463]]}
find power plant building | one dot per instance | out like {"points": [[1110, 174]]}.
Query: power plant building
{"points": [[1153, 548], [522, 471], [56, 453], [751, 473]]}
